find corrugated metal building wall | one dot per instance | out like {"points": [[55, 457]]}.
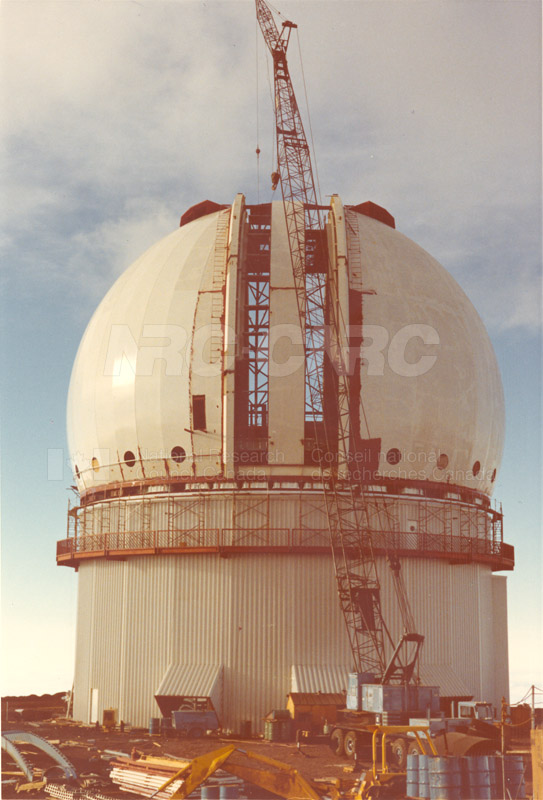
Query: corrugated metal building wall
{"points": [[244, 612]]}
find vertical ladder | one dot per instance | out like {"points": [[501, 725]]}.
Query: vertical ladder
{"points": [[218, 282]]}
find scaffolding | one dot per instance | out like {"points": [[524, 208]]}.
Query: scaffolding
{"points": [[424, 528]]}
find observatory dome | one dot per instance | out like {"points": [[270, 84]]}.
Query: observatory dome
{"points": [[203, 535], [153, 390]]}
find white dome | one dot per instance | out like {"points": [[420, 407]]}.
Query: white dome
{"points": [[120, 398], [431, 399], [164, 334]]}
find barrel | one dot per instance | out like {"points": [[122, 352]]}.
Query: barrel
{"points": [[166, 727], [245, 730], [424, 786], [444, 778], [493, 772], [412, 780], [272, 730], [229, 793], [285, 730], [514, 776], [476, 783], [210, 793], [499, 767], [154, 726]]}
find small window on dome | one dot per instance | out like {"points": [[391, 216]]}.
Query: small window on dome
{"points": [[129, 458], [442, 461], [78, 474], [394, 456], [95, 464], [199, 412], [493, 478], [476, 469], [178, 454]]}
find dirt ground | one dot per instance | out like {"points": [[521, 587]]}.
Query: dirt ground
{"points": [[85, 746]]}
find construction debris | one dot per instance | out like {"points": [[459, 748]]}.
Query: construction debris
{"points": [[67, 793], [144, 775], [33, 786]]}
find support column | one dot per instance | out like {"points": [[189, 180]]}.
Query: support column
{"points": [[286, 365], [230, 333], [339, 300]]}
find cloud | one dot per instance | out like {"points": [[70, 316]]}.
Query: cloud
{"points": [[112, 245], [439, 120], [121, 115]]}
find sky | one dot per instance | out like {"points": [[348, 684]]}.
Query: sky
{"points": [[118, 115]]}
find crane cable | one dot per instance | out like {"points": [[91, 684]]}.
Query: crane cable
{"points": [[318, 187], [272, 100], [316, 168], [406, 613], [315, 165], [257, 117], [528, 694], [273, 148]]}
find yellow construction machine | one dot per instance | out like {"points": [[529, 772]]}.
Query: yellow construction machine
{"points": [[285, 781], [268, 774]]}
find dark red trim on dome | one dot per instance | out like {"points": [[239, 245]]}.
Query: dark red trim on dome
{"points": [[374, 211], [201, 210], [369, 209]]}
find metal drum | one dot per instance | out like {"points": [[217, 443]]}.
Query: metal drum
{"points": [[476, 783], [272, 730], [210, 793], [154, 726], [424, 786], [285, 730], [229, 793], [493, 772], [514, 776], [444, 778], [499, 766], [412, 782]]}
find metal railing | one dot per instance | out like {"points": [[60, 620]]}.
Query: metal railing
{"points": [[161, 541]]}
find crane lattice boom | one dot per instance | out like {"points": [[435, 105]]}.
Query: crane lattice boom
{"points": [[351, 514]]}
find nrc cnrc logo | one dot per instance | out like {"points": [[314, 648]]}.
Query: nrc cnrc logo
{"points": [[409, 352]]}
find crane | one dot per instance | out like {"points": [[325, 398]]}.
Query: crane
{"points": [[349, 507]]}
